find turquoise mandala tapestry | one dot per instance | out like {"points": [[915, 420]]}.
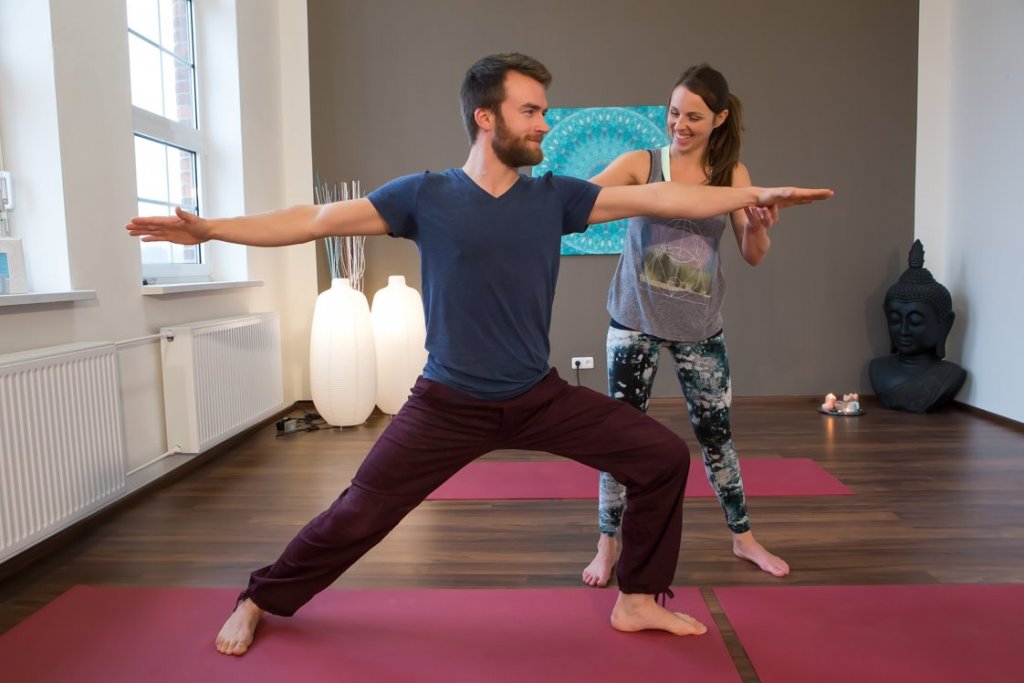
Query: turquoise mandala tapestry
{"points": [[582, 142]]}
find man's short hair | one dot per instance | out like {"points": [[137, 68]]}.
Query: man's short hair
{"points": [[484, 84]]}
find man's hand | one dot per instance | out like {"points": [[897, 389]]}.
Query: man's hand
{"points": [[182, 228], [783, 197]]}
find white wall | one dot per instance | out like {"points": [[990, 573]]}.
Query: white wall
{"points": [[74, 166], [970, 146], [28, 105], [278, 159], [934, 98]]}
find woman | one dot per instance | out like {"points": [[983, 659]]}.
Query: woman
{"points": [[667, 292]]}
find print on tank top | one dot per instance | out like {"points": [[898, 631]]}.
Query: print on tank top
{"points": [[680, 268]]}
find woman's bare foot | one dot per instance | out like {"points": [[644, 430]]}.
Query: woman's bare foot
{"points": [[746, 547], [640, 612], [236, 634], [599, 571]]}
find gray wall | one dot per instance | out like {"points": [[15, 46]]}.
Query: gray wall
{"points": [[829, 90]]}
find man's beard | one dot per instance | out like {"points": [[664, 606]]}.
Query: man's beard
{"points": [[513, 151]]}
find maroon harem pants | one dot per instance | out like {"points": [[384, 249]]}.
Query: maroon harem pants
{"points": [[440, 430]]}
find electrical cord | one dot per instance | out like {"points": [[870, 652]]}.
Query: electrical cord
{"points": [[577, 366], [308, 422]]}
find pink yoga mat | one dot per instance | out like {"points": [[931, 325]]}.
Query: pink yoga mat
{"points": [[566, 479], [375, 636], [881, 634]]}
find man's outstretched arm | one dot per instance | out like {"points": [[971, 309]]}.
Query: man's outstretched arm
{"points": [[675, 200], [273, 229]]}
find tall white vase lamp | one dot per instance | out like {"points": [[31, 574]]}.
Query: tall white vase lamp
{"points": [[342, 357], [399, 333]]}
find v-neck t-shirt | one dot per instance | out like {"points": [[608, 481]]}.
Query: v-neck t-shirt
{"points": [[489, 266]]}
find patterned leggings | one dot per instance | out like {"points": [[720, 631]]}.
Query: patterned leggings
{"points": [[703, 371]]}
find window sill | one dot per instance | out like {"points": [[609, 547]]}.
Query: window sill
{"points": [[161, 290], [46, 297]]}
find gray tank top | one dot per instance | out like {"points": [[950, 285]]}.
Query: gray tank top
{"points": [[669, 281]]}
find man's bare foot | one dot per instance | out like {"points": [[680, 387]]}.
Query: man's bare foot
{"points": [[236, 634], [599, 571], [746, 547], [640, 612]]}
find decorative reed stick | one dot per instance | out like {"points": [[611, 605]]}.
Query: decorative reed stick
{"points": [[345, 255]]}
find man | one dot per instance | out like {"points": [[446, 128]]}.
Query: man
{"points": [[489, 248]]}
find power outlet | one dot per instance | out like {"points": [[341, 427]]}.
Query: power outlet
{"points": [[583, 362]]}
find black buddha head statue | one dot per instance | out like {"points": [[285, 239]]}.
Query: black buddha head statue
{"points": [[919, 312]]}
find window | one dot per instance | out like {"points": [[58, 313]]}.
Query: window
{"points": [[169, 144]]}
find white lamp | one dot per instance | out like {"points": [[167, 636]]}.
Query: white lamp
{"points": [[399, 333], [342, 359]]}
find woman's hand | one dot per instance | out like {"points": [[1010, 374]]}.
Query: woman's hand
{"points": [[761, 218]]}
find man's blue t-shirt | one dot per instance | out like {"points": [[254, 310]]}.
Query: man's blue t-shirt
{"points": [[489, 267]]}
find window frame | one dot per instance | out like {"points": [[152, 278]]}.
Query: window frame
{"points": [[186, 137]]}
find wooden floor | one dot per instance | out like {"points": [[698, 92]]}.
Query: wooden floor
{"points": [[939, 500]]}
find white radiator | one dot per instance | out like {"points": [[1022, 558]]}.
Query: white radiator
{"points": [[62, 453], [220, 377]]}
